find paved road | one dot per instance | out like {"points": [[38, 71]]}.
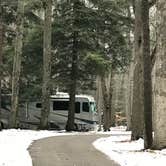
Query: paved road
{"points": [[68, 151]]}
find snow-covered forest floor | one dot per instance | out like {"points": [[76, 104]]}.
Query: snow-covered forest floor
{"points": [[119, 148], [14, 145]]}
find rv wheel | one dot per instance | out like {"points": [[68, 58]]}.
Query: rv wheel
{"points": [[53, 126], [1, 126], [76, 127]]}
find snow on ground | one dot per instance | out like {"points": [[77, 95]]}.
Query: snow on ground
{"points": [[14, 145], [119, 148]]}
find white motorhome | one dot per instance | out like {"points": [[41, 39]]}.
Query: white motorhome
{"points": [[86, 116]]}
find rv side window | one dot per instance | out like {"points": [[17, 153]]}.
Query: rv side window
{"points": [[60, 105], [77, 107], [38, 105], [85, 107], [64, 105]]}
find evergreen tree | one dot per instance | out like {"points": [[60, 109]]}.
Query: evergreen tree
{"points": [[113, 46], [31, 78], [74, 32], [86, 29], [82, 35]]}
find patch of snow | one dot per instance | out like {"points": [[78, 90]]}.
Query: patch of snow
{"points": [[14, 145], [119, 148]]}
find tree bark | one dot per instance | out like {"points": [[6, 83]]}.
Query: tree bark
{"points": [[1, 52], [17, 64], [74, 70], [107, 91], [130, 96], [159, 109], [46, 65], [106, 104], [110, 92], [73, 85], [137, 118], [147, 75], [129, 76], [99, 101]]}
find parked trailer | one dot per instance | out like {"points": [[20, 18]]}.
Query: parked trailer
{"points": [[86, 116]]}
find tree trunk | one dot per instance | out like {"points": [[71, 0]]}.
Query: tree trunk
{"points": [[142, 90], [110, 93], [46, 65], [129, 78], [17, 64], [137, 118], [74, 70], [99, 101], [116, 97], [160, 79], [106, 104], [1, 48], [129, 97], [73, 85], [107, 91], [147, 75]]}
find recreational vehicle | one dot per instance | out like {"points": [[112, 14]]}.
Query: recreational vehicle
{"points": [[86, 116]]}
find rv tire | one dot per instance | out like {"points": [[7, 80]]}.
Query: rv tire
{"points": [[1, 125], [75, 127]]}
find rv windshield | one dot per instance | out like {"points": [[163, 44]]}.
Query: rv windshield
{"points": [[92, 106]]}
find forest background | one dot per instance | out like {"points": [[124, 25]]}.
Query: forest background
{"points": [[77, 46]]}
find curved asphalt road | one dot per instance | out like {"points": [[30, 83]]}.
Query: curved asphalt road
{"points": [[68, 151]]}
